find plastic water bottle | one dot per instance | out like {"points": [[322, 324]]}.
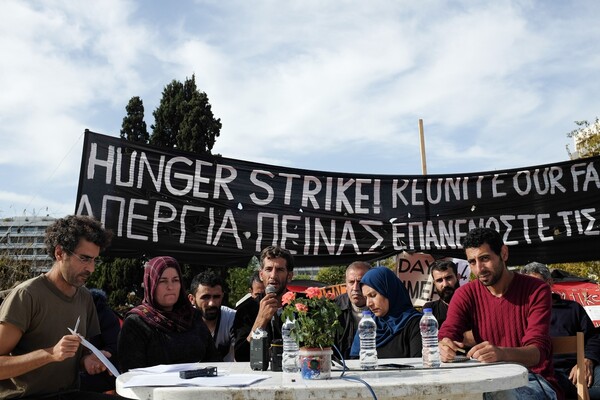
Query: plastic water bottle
{"points": [[367, 332], [289, 359], [429, 336]]}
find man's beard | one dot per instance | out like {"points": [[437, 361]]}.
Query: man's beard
{"points": [[211, 314], [447, 292]]}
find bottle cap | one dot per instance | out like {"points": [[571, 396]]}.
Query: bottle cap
{"points": [[426, 310], [367, 312]]}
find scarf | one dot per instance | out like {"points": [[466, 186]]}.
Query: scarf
{"points": [[401, 310], [181, 317]]}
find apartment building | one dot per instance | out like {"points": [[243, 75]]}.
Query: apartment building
{"points": [[22, 238]]}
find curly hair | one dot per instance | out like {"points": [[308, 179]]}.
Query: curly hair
{"points": [[477, 237], [67, 232], [277, 252]]}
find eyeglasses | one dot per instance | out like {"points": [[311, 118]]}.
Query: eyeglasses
{"points": [[85, 259]]}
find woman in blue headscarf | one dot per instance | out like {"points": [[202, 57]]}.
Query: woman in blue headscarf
{"points": [[398, 334]]}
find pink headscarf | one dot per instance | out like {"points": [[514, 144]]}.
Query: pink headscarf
{"points": [[177, 320]]}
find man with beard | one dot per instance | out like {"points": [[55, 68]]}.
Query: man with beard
{"points": [[39, 358], [509, 314], [276, 270], [206, 294], [352, 303], [445, 281]]}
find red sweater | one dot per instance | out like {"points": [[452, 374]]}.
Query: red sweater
{"points": [[519, 318]]}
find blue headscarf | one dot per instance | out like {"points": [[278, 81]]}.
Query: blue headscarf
{"points": [[401, 310]]}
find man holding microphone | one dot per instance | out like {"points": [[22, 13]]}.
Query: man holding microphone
{"points": [[276, 270]]}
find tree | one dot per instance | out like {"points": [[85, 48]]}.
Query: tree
{"points": [[119, 278], [13, 271], [332, 275], [133, 127], [184, 119], [238, 280], [587, 138]]}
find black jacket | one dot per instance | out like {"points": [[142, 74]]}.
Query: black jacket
{"points": [[344, 340]]}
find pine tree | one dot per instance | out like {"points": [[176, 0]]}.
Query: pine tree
{"points": [[133, 127], [184, 119]]}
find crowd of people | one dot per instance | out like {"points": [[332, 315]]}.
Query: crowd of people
{"points": [[501, 316]]}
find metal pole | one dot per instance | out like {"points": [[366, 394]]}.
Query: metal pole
{"points": [[423, 156]]}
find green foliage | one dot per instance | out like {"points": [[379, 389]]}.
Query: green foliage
{"points": [[587, 269], [133, 127], [12, 272], [184, 119], [332, 275], [119, 277], [238, 280], [316, 318], [588, 137], [302, 276]]}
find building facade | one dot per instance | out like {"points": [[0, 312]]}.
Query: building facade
{"points": [[22, 238]]}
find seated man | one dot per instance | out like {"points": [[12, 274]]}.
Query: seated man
{"points": [[445, 282], [276, 271], [206, 294], [568, 318], [39, 358], [508, 313], [352, 303]]}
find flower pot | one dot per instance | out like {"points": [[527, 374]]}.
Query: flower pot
{"points": [[315, 363]]}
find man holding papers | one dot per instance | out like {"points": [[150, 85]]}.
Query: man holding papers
{"points": [[38, 355]]}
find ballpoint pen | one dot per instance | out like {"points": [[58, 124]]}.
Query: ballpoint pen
{"points": [[76, 325]]}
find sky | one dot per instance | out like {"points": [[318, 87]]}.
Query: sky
{"points": [[321, 85]]}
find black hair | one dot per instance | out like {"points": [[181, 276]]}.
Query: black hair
{"points": [[207, 278], [255, 277], [479, 236], [67, 232], [444, 265], [277, 252]]}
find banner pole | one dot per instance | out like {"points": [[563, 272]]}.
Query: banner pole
{"points": [[423, 156]]}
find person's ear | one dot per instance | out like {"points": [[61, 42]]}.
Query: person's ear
{"points": [[192, 299], [504, 252], [290, 275]]}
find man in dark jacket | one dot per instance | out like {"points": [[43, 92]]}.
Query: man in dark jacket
{"points": [[568, 318], [445, 282], [352, 303]]}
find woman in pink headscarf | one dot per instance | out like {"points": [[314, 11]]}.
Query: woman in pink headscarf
{"points": [[165, 328]]}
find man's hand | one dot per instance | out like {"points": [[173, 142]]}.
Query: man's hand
{"points": [[486, 353], [93, 365], [65, 348], [448, 349], [589, 372], [268, 307]]}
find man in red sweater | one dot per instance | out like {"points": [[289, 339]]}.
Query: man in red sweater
{"points": [[508, 313]]}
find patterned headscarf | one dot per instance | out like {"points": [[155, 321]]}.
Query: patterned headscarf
{"points": [[181, 317], [401, 310]]}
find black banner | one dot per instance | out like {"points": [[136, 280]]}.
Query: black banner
{"points": [[218, 211]]}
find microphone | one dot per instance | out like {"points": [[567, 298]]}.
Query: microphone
{"points": [[270, 289]]}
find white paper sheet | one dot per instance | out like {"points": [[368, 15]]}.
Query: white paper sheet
{"points": [[97, 353], [162, 368], [173, 379]]}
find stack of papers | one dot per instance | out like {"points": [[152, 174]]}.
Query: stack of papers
{"points": [[168, 375]]}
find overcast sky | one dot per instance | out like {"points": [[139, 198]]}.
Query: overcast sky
{"points": [[324, 85]]}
